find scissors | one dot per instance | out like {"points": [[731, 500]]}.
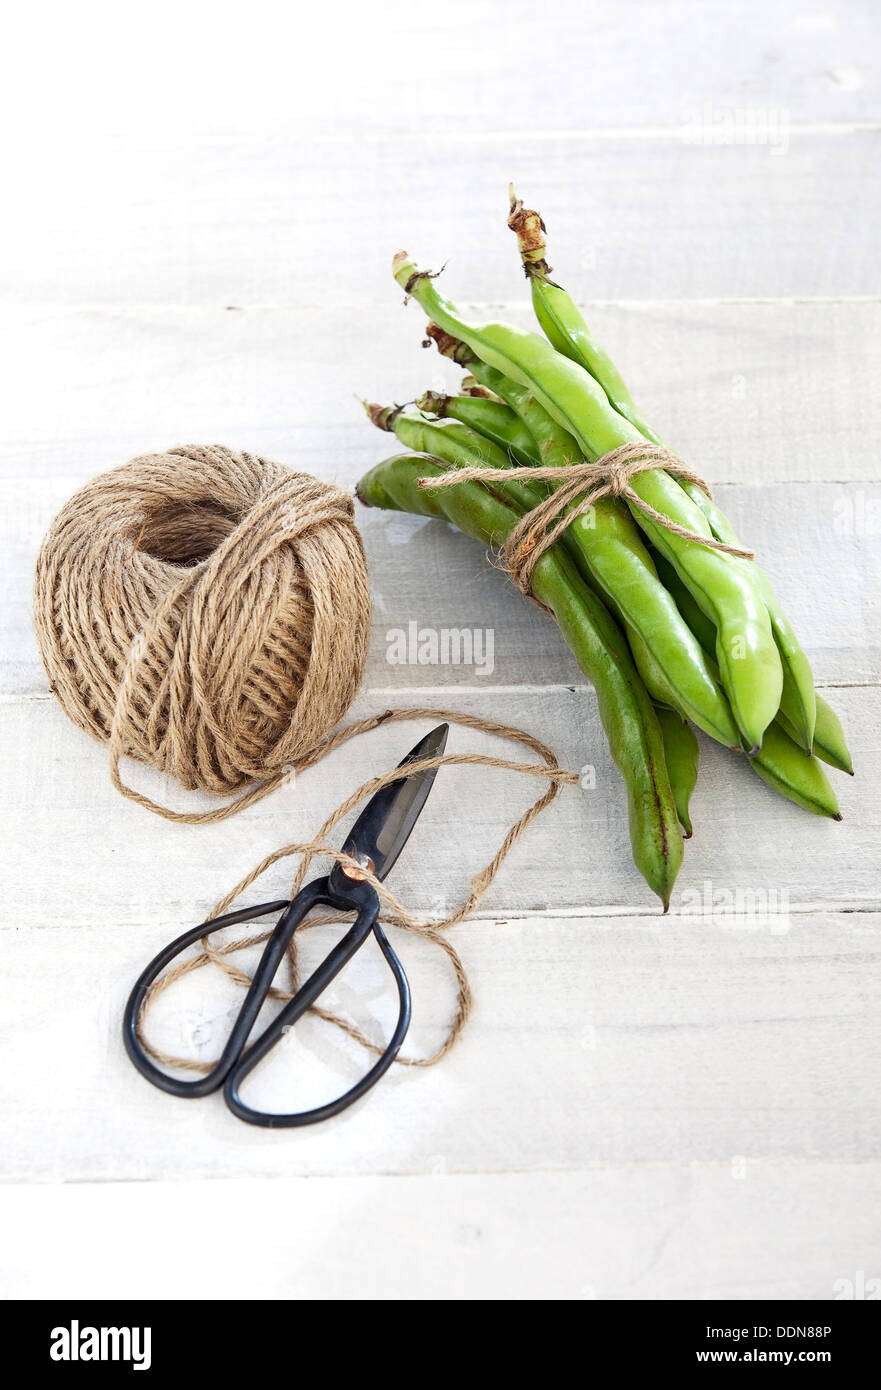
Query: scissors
{"points": [[376, 839]]}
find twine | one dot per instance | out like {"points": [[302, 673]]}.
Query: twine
{"points": [[582, 485], [207, 612], [394, 913]]}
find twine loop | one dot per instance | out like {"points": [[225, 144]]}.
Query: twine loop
{"points": [[581, 486], [394, 914]]}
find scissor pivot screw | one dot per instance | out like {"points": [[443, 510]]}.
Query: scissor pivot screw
{"points": [[364, 862]]}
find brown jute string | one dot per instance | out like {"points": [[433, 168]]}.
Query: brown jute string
{"points": [[582, 485], [207, 612], [395, 914]]}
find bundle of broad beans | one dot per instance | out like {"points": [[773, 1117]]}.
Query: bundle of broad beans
{"points": [[544, 456]]}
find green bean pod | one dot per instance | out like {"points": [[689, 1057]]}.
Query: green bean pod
{"points": [[795, 774], [828, 742], [694, 615], [493, 419], [798, 697], [626, 712], [750, 666], [781, 761], [458, 445], [561, 321], [682, 756], [653, 677], [556, 446]]}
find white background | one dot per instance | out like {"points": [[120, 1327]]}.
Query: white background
{"points": [[200, 207]]}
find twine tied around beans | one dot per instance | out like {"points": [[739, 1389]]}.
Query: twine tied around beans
{"points": [[581, 486], [207, 612]]}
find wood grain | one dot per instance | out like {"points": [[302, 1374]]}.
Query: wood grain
{"points": [[198, 249], [578, 858], [602, 1041], [779, 411], [756, 1229], [751, 393], [247, 219]]}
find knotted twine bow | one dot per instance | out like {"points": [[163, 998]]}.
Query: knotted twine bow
{"points": [[582, 485]]}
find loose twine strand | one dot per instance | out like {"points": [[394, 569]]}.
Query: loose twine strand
{"points": [[582, 485], [395, 914]]}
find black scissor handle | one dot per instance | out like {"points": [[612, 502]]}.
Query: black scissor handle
{"points": [[269, 962], [235, 1063], [296, 1007]]}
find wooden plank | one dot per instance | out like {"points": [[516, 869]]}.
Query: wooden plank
{"points": [[282, 219], [417, 71], [758, 1230], [607, 1041], [816, 543], [780, 398], [750, 393], [104, 849]]}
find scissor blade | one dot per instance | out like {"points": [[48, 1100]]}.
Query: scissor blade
{"points": [[384, 826]]}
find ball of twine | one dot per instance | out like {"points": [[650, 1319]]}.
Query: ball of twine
{"points": [[206, 612]]}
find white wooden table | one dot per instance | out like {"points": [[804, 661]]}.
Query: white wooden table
{"points": [[196, 245]]}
